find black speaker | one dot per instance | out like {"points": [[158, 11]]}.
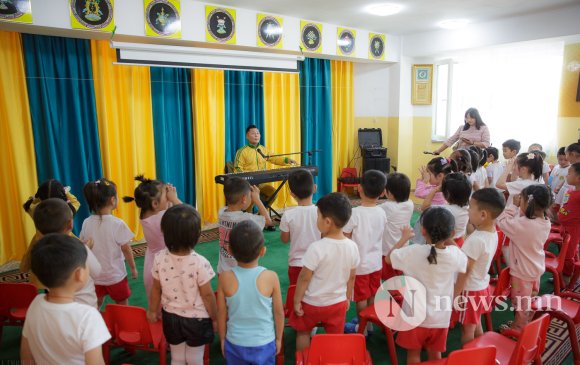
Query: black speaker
{"points": [[381, 164]]}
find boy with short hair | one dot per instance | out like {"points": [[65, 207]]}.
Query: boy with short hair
{"points": [[573, 156], [58, 330], [569, 217], [494, 169], [484, 207], [510, 150], [250, 310], [366, 227], [398, 209], [326, 281], [559, 172], [298, 225], [239, 196]]}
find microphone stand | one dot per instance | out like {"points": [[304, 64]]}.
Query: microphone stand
{"points": [[309, 153]]}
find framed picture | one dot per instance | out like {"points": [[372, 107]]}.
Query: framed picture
{"points": [[422, 84]]}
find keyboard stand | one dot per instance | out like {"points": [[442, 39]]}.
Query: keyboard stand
{"points": [[267, 204]]}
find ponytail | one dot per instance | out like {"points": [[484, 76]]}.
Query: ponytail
{"points": [[145, 193], [27, 204], [533, 162], [97, 193], [442, 165], [432, 258], [538, 197]]}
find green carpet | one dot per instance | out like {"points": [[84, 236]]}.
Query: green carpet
{"points": [[275, 259]]}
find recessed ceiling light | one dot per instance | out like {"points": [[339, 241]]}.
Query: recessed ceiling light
{"points": [[383, 9], [453, 23]]}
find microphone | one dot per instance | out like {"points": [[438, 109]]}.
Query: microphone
{"points": [[261, 154]]}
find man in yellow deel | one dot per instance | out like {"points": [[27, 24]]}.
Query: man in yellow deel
{"points": [[248, 158]]}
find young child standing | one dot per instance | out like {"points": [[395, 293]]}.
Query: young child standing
{"points": [[537, 148], [326, 281], [239, 196], [250, 310], [181, 283], [569, 217], [510, 149], [399, 210], [431, 177], [573, 156], [366, 227], [298, 225], [485, 206], [58, 330], [153, 197], [525, 222], [54, 216], [111, 241], [525, 170], [494, 168], [478, 159], [559, 172], [435, 265]]}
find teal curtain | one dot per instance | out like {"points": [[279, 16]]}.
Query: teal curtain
{"points": [[316, 119], [173, 129], [244, 103], [64, 116]]}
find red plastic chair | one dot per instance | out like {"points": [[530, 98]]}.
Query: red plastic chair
{"points": [[288, 308], [499, 288], [347, 172], [369, 314], [130, 330], [497, 256], [16, 298], [529, 347], [335, 349], [555, 264], [475, 356]]}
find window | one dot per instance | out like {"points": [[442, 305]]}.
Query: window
{"points": [[442, 101]]}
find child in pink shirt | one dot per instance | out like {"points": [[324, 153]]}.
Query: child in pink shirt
{"points": [[181, 284], [528, 228], [431, 177]]}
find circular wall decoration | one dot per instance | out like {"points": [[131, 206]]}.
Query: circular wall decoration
{"points": [[162, 17], [377, 46], [311, 37], [220, 25], [92, 14], [10, 9], [270, 31], [346, 42]]}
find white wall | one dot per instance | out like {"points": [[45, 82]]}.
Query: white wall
{"points": [[372, 90]]}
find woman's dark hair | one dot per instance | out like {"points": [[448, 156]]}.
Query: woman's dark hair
{"points": [[442, 165], [537, 196], [462, 158], [482, 153], [439, 224], [181, 227], [146, 193], [533, 162], [474, 113], [97, 193], [49, 189], [456, 189]]}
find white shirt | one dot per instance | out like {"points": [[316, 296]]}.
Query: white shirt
{"points": [[300, 221], [367, 225], [331, 262], [558, 176], [227, 221], [398, 216], [63, 333], [461, 215], [562, 193], [480, 175], [87, 294], [494, 170], [480, 246], [108, 233], [438, 279], [516, 187]]}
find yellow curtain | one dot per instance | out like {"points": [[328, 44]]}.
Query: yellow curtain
{"points": [[282, 122], [123, 97], [18, 178], [209, 137], [343, 133]]}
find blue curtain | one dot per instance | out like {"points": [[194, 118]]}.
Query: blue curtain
{"points": [[244, 103], [173, 129], [64, 116], [316, 119]]}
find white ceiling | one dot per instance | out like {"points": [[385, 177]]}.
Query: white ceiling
{"points": [[416, 16]]}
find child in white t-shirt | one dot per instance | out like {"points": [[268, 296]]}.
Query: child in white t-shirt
{"points": [[478, 177], [494, 168], [537, 148], [298, 224], [57, 330], [484, 207], [525, 170], [399, 210], [559, 172], [435, 265], [326, 281], [181, 283], [239, 197], [573, 156], [365, 227], [111, 242]]}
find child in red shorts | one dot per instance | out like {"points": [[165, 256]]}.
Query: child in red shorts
{"points": [[327, 277], [473, 286], [365, 227]]}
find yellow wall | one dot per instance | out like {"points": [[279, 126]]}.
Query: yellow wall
{"points": [[569, 110]]}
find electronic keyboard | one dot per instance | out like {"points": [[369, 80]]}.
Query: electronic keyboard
{"points": [[266, 176]]}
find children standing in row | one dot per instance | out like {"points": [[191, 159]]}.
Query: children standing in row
{"points": [[111, 241], [298, 225]]}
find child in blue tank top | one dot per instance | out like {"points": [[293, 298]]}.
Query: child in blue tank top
{"points": [[250, 311]]}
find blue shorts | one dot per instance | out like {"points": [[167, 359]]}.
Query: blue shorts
{"points": [[258, 355]]}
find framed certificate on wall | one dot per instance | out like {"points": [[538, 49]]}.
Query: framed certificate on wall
{"points": [[422, 84]]}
